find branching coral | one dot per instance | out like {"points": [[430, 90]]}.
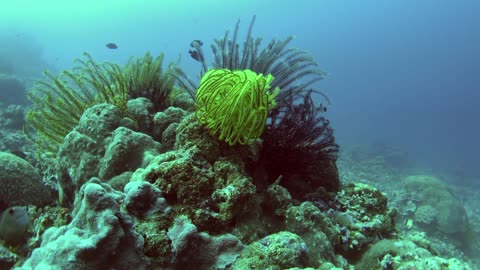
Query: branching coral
{"points": [[235, 104]]}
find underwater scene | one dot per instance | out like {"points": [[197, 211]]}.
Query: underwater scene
{"points": [[237, 135]]}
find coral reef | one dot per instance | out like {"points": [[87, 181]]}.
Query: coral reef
{"points": [[98, 147], [143, 199], [316, 229], [20, 184], [394, 254], [282, 250], [143, 184], [59, 103], [437, 206], [213, 196], [12, 139], [100, 235], [217, 252], [194, 203]]}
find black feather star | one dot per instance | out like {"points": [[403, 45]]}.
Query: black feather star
{"points": [[299, 146]]}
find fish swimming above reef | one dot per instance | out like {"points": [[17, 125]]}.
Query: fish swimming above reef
{"points": [[197, 41], [112, 45], [194, 53]]}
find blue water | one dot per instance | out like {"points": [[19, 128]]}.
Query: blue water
{"points": [[404, 73]]}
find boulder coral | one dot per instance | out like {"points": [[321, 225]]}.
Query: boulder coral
{"points": [[446, 212], [20, 184], [100, 235], [98, 147]]}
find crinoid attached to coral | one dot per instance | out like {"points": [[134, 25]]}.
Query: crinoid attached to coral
{"points": [[287, 65], [58, 103], [299, 146], [298, 142], [146, 77], [234, 105]]}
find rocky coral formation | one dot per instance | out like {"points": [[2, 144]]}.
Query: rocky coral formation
{"points": [[281, 250], [103, 145], [198, 250], [396, 254], [143, 199], [20, 184], [100, 235], [209, 187], [363, 217], [183, 199], [316, 229], [438, 208]]}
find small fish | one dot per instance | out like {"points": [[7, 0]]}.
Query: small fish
{"points": [[409, 223], [194, 55], [196, 41], [19, 153], [14, 224], [112, 45], [322, 108]]}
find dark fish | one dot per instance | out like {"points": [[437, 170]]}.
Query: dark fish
{"points": [[196, 41], [194, 55], [19, 153], [112, 45]]}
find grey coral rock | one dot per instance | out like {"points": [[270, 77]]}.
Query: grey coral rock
{"points": [[315, 228], [162, 121], [141, 109], [100, 235], [20, 184], [102, 145], [282, 250], [184, 101], [199, 250], [143, 198], [126, 150]]}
